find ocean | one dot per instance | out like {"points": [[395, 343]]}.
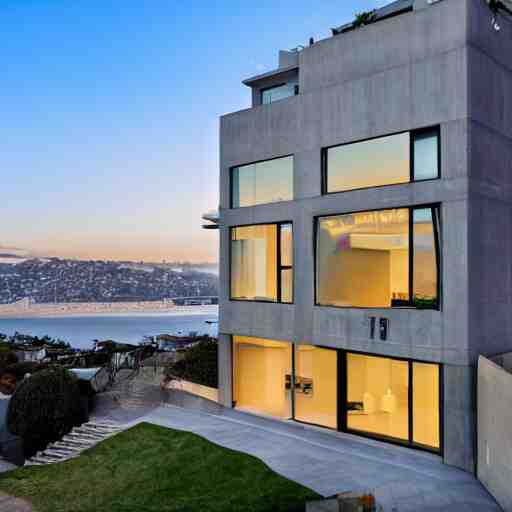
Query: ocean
{"points": [[80, 331]]}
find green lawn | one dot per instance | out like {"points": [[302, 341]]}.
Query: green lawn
{"points": [[150, 468]]}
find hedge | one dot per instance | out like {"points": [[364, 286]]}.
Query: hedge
{"points": [[44, 408], [199, 365], [7, 356]]}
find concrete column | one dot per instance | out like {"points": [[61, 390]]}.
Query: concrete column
{"points": [[225, 373], [460, 417]]}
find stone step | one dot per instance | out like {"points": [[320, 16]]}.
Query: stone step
{"points": [[54, 454], [42, 459], [74, 441], [106, 428], [81, 436], [89, 433], [60, 449], [63, 445]]}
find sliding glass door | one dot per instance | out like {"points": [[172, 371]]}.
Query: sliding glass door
{"points": [[386, 398], [378, 396], [316, 385], [394, 399]]}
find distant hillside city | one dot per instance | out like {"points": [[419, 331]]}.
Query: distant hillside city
{"points": [[61, 280]]}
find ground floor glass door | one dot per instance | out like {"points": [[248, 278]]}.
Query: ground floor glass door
{"points": [[387, 398]]}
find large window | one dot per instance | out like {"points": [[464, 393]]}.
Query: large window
{"points": [[279, 92], [386, 258], [378, 396], [270, 181], [383, 397], [262, 376], [410, 156], [262, 263], [394, 398]]}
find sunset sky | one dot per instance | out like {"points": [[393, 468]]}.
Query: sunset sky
{"points": [[109, 116]]}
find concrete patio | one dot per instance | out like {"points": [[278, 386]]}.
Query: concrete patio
{"points": [[325, 461], [328, 462]]}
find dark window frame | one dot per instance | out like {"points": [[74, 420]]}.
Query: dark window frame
{"points": [[436, 219], [342, 397], [231, 181], [412, 134], [279, 267], [270, 87], [342, 405]]}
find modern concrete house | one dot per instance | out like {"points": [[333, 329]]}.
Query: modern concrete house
{"points": [[366, 228]]}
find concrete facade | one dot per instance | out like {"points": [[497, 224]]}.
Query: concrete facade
{"points": [[441, 64], [495, 428]]}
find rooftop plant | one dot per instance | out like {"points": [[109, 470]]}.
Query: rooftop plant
{"points": [[365, 18]]}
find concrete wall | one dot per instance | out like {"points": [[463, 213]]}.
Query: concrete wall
{"points": [[416, 70], [495, 431], [490, 182]]}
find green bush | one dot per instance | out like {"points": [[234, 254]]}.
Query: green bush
{"points": [[21, 369], [199, 365], [7, 356], [44, 408]]}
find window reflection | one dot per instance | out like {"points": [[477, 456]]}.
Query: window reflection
{"points": [[279, 92], [262, 376], [383, 161], [254, 262], [426, 155], [262, 263], [425, 259], [316, 385], [371, 163], [363, 259], [426, 404], [378, 395], [287, 285], [264, 182]]}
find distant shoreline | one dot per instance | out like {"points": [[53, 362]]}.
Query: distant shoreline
{"points": [[100, 309]]}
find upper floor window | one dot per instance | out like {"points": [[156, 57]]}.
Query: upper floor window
{"points": [[402, 158], [279, 92], [386, 258], [270, 181], [262, 263]]}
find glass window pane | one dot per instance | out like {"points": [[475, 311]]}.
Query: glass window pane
{"points": [[316, 385], [243, 186], [425, 259], [426, 156], [279, 92], [363, 259], [264, 182], [254, 262], [378, 395], [426, 404], [287, 285], [286, 245], [262, 376], [371, 163]]}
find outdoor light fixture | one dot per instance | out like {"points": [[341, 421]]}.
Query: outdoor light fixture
{"points": [[497, 7]]}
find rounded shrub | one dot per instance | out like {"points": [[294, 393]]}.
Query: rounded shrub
{"points": [[44, 408]]}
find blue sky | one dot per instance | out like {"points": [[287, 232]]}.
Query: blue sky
{"points": [[109, 116]]}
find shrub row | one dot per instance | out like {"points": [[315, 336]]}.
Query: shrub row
{"points": [[199, 365]]}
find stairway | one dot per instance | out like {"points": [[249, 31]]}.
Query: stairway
{"points": [[73, 444]]}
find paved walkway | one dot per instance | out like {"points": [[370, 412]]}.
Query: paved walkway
{"points": [[10, 504], [328, 462]]}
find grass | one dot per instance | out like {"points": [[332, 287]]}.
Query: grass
{"points": [[150, 468]]}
